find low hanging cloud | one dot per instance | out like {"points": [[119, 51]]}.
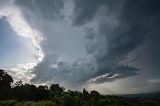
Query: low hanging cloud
{"points": [[69, 74], [117, 73], [154, 81], [111, 30]]}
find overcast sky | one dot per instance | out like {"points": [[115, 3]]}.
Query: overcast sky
{"points": [[112, 46]]}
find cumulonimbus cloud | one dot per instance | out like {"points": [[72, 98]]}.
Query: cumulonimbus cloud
{"points": [[113, 29]]}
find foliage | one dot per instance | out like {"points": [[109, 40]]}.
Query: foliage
{"points": [[27, 103], [5, 84], [30, 95]]}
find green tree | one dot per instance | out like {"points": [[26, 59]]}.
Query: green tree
{"points": [[5, 84], [85, 94], [42, 92], [56, 89], [94, 93]]}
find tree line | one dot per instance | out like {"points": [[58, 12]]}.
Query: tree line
{"points": [[29, 92], [56, 94]]}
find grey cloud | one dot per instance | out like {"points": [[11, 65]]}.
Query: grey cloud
{"points": [[117, 73], [45, 9], [4, 3], [60, 38], [154, 81], [119, 28], [86, 10], [43, 69], [71, 75], [123, 30]]}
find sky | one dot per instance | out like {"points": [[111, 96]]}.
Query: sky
{"points": [[111, 46]]}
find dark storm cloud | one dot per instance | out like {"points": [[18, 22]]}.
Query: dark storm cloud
{"points": [[114, 30], [134, 22], [86, 10], [117, 73]]}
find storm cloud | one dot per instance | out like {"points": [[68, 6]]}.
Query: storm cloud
{"points": [[92, 41], [120, 28]]}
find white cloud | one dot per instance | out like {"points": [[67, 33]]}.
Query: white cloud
{"points": [[22, 72], [20, 26], [18, 23]]}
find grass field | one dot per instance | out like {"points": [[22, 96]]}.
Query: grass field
{"points": [[27, 103]]}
